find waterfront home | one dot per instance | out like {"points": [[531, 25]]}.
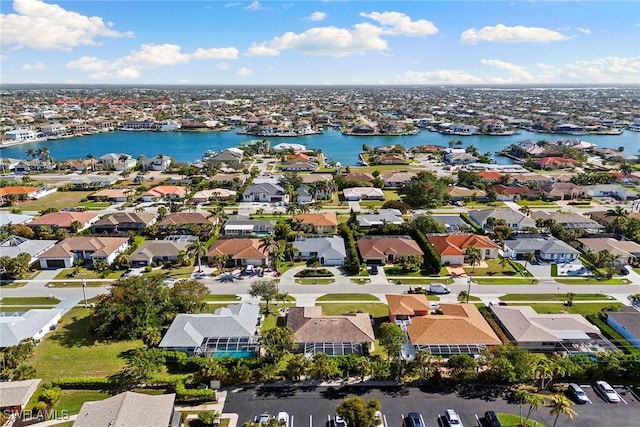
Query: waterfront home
{"points": [[329, 251], [123, 223], [383, 249], [452, 248], [301, 166], [34, 324], [20, 134], [626, 251], [380, 218], [33, 165], [285, 146], [322, 222], [243, 225], [397, 179], [265, 192], [158, 163], [66, 220], [241, 252], [137, 125], [569, 221], [228, 331], [514, 220], [332, 335], [228, 155], [560, 332], [389, 159], [159, 192], [626, 323], [442, 330], [618, 192], [512, 193], [205, 196], [13, 246], [458, 156], [130, 409], [554, 163], [543, 247], [53, 129], [117, 162], [363, 193], [187, 223], [89, 249], [158, 251]]}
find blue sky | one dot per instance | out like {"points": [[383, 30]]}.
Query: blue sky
{"points": [[319, 42]]}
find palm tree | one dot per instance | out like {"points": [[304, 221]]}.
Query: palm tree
{"points": [[626, 168], [528, 258], [618, 213], [122, 158], [561, 405], [534, 400], [304, 208], [270, 246], [473, 256], [31, 153], [504, 262], [634, 299], [525, 210], [198, 249], [92, 159], [142, 159]]}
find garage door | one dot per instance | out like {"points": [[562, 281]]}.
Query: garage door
{"points": [[55, 263]]}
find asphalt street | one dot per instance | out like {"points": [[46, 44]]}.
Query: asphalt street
{"points": [[311, 406]]}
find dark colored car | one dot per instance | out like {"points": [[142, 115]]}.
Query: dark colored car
{"points": [[577, 393], [491, 419], [413, 419], [374, 269]]}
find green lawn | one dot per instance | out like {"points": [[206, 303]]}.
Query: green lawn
{"points": [[22, 308], [399, 271], [481, 205], [617, 339], [78, 284], [315, 281], [348, 297], [71, 351], [221, 297], [504, 281], [71, 400], [593, 281], [67, 273], [493, 269], [178, 272], [375, 309], [537, 203], [58, 200], [95, 205], [471, 299], [583, 309], [287, 266], [553, 297], [511, 420], [422, 281], [29, 301]]}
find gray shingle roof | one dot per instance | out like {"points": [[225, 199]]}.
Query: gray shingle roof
{"points": [[549, 245], [128, 409], [326, 247], [14, 329]]}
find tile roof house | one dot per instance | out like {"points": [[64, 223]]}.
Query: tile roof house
{"points": [[130, 409], [155, 251], [554, 162], [205, 196], [34, 323], [627, 324], [240, 251], [265, 192], [332, 335], [512, 192], [328, 250], [452, 247], [317, 177], [184, 222], [562, 332], [363, 193], [61, 219], [15, 395], [89, 249], [322, 222], [490, 176], [20, 192], [627, 251], [358, 176], [442, 329], [210, 334], [515, 220], [113, 195], [123, 222], [561, 191], [397, 179], [457, 193], [544, 248], [383, 249], [171, 192]]}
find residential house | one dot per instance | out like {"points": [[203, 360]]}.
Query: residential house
{"points": [[628, 179], [241, 251], [113, 195], [229, 179], [458, 156], [229, 331], [10, 219], [363, 193], [626, 251], [66, 220], [34, 323], [158, 251], [561, 191], [358, 176], [243, 225], [490, 177], [383, 249], [265, 192], [331, 335], [15, 395], [397, 179], [329, 251], [218, 194], [457, 193], [187, 223], [301, 166], [228, 155], [554, 163], [18, 193], [322, 222], [444, 329], [93, 182], [452, 247], [317, 177], [626, 323], [532, 179], [130, 409], [390, 159], [118, 162], [511, 193], [13, 246], [544, 248], [123, 223], [159, 192], [615, 191], [569, 221], [514, 220], [157, 163], [89, 249], [560, 332], [382, 217]]}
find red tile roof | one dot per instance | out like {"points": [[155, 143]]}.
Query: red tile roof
{"points": [[456, 244]]}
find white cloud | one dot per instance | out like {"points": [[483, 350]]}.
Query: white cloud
{"points": [[36, 66], [233, 4], [88, 63], [262, 50], [151, 56], [317, 16], [518, 73], [223, 66], [437, 77], [254, 5], [42, 26], [398, 23], [220, 53], [244, 71], [518, 34], [583, 30], [605, 70]]}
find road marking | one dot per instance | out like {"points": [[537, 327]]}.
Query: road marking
{"points": [[310, 420], [291, 425], [422, 420], [384, 420], [478, 420]]}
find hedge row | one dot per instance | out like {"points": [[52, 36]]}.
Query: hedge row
{"points": [[353, 265], [184, 393], [81, 383], [431, 261]]}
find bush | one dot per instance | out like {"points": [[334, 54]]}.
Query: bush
{"points": [[193, 394], [81, 383], [50, 395]]}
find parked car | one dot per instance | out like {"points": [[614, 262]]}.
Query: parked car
{"points": [[606, 391], [577, 393], [378, 421], [374, 269], [283, 419], [340, 422], [453, 419], [413, 419], [491, 419], [263, 418]]}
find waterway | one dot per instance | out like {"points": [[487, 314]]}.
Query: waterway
{"points": [[190, 146]]}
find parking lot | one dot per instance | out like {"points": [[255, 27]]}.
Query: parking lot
{"points": [[315, 406]]}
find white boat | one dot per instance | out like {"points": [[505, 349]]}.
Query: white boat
{"points": [[635, 126], [168, 126]]}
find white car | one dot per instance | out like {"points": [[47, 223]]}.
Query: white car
{"points": [[378, 420], [340, 422], [452, 418], [607, 392], [283, 419], [263, 418]]}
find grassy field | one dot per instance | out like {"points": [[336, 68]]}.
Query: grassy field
{"points": [[553, 297], [583, 309], [67, 273], [58, 200], [221, 297], [29, 301], [375, 309], [493, 269], [509, 420], [315, 281], [537, 203], [422, 281], [71, 351], [504, 281], [72, 400], [348, 297], [585, 281]]}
